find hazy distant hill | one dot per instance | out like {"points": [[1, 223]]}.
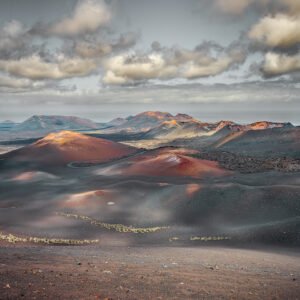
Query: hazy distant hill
{"points": [[54, 123], [175, 129], [146, 121], [7, 125]]}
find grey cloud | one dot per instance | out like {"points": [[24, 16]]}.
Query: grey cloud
{"points": [[238, 7], [14, 40], [156, 46], [233, 6], [97, 46], [15, 85], [295, 77]]}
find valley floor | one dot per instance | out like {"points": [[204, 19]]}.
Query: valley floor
{"points": [[120, 272]]}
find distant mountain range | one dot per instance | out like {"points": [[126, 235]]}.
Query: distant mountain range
{"points": [[7, 125], [149, 125], [49, 123]]}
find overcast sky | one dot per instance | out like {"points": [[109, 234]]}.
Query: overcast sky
{"points": [[214, 59]]}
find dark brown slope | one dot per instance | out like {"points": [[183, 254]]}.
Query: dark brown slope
{"points": [[273, 142]]}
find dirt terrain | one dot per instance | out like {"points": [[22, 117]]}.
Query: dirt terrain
{"points": [[118, 272], [168, 223]]}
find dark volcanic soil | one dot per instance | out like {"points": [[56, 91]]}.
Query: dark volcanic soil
{"points": [[96, 272]]}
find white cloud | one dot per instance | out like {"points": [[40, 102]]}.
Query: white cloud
{"points": [[124, 68], [88, 17], [35, 68], [16, 83], [111, 78], [211, 68], [11, 84], [279, 64], [207, 59], [279, 30]]}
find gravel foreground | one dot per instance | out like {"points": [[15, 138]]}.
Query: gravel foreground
{"points": [[121, 272]]}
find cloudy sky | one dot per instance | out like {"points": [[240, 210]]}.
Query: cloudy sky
{"points": [[214, 59]]}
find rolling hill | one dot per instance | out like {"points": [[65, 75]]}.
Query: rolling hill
{"points": [[66, 146], [166, 162]]}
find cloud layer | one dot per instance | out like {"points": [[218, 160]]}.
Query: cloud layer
{"points": [[207, 59], [88, 45]]}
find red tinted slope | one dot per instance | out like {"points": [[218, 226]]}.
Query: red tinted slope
{"points": [[167, 162], [67, 146], [170, 164]]}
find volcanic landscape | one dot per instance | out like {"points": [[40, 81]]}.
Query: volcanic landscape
{"points": [[151, 206]]}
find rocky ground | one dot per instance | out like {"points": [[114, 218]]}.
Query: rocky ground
{"points": [[97, 272], [249, 164]]}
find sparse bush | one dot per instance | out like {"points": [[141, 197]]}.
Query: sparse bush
{"points": [[209, 238], [116, 227], [42, 240]]}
